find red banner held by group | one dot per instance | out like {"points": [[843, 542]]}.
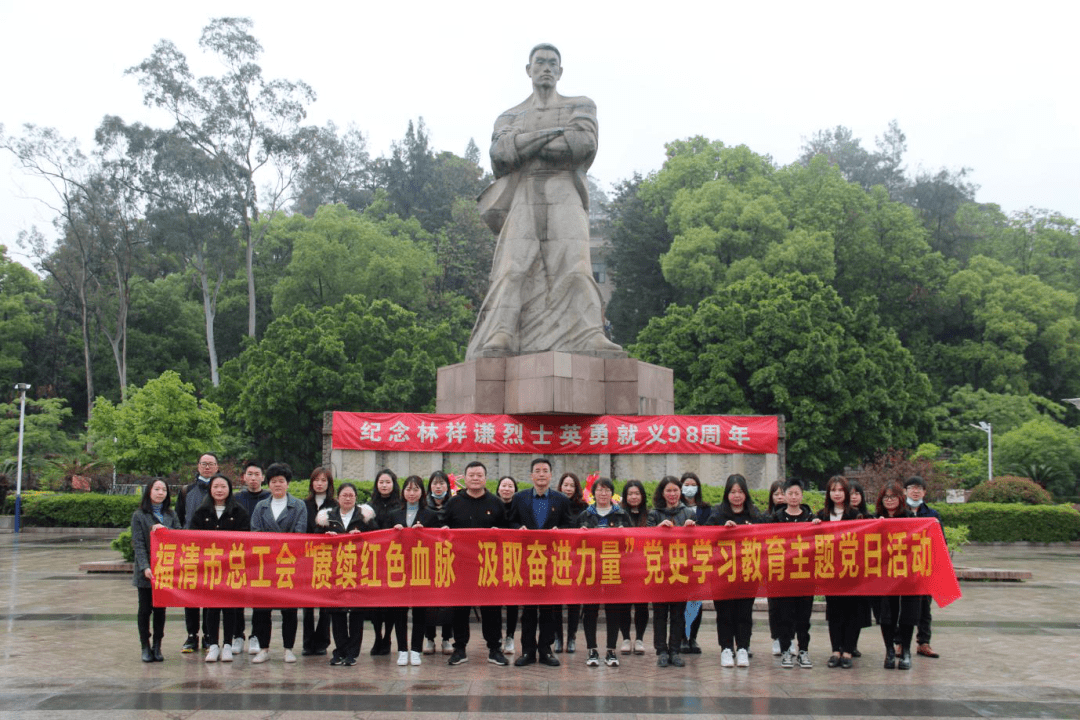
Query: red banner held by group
{"points": [[555, 434], [439, 567]]}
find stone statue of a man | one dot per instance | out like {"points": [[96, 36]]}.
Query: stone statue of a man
{"points": [[542, 294]]}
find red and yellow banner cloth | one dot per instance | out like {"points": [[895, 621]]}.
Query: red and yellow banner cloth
{"points": [[437, 567], [555, 434]]}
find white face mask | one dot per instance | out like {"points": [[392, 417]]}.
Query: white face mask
{"points": [[689, 491]]}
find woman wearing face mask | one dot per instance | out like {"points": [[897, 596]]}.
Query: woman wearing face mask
{"points": [[153, 514], [669, 619], [570, 486], [320, 496], [693, 498], [636, 505], [413, 514], [220, 511], [385, 501], [734, 616], [345, 519], [506, 489], [438, 493]]}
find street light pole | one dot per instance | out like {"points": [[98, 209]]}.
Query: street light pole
{"points": [[22, 388], [989, 430]]}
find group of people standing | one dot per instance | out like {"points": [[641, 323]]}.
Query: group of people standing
{"points": [[210, 504]]}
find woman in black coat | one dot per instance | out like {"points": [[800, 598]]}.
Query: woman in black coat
{"points": [[413, 514], [846, 614], [154, 513], [220, 511], [385, 501], [320, 496], [899, 614], [347, 623]]}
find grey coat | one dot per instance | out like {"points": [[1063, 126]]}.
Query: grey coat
{"points": [[292, 520], [141, 522]]}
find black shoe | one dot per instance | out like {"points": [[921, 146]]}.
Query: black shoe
{"points": [[523, 660], [191, 644], [497, 658], [846, 663], [593, 659], [557, 647], [662, 659], [856, 653], [336, 659], [676, 660], [550, 661], [612, 660], [890, 659], [684, 646], [147, 653], [457, 657], [156, 650], [693, 648], [571, 645], [349, 661], [834, 661], [905, 661]]}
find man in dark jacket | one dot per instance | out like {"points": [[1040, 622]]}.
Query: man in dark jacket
{"points": [[188, 501], [539, 508], [915, 487], [252, 494]]}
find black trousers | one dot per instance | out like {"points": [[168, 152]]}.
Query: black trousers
{"points": [[734, 622], [640, 611], [669, 626], [613, 617], [316, 635], [845, 621], [348, 626], [573, 619], [923, 635], [146, 611], [536, 618], [238, 623], [191, 620], [490, 626], [774, 619], [260, 627], [398, 619], [511, 620], [212, 621], [794, 616]]}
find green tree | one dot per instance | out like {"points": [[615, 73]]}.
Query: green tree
{"points": [[1042, 441], [43, 431], [338, 170], [966, 406], [883, 166], [156, 426], [789, 345], [22, 296], [355, 355]]}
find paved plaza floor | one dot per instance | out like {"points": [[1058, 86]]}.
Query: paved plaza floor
{"points": [[69, 649]]}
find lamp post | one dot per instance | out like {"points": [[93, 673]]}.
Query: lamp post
{"points": [[22, 388], [986, 428]]}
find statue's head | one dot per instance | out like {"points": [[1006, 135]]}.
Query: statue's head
{"points": [[545, 66]]}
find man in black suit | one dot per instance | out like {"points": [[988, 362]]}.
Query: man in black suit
{"points": [[539, 508]]}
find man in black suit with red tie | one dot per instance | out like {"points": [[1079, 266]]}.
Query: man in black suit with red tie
{"points": [[539, 508]]}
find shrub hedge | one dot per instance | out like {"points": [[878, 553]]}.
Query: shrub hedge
{"points": [[993, 522], [78, 510], [122, 544], [1011, 489]]}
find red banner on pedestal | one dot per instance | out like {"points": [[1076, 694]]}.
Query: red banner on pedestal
{"points": [[438, 567], [555, 434]]}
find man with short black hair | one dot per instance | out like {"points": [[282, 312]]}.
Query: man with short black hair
{"points": [[252, 494], [477, 507], [539, 508], [915, 488], [188, 501]]}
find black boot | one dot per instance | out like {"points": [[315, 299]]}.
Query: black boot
{"points": [[156, 650], [890, 658], [905, 660], [147, 655]]}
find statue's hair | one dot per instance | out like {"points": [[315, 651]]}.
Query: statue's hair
{"points": [[545, 46]]}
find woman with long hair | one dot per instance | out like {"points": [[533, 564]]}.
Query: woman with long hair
{"points": [[506, 490], [320, 496], [669, 619], [412, 514], [220, 511], [570, 486], [604, 513], [845, 614], [385, 501], [438, 494], [899, 614], [776, 499], [155, 512], [693, 498], [635, 502]]}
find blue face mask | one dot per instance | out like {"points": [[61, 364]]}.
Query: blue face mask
{"points": [[438, 496], [913, 503]]}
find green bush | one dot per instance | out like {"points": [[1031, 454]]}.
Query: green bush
{"points": [[957, 537], [83, 510], [122, 545], [993, 522], [1011, 489]]}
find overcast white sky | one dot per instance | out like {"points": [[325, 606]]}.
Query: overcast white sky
{"points": [[991, 86]]}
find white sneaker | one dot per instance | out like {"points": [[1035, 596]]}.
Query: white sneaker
{"points": [[289, 656], [403, 658], [447, 647], [625, 648], [226, 653], [804, 660], [727, 658], [213, 653], [508, 646], [414, 658], [787, 660], [260, 657], [253, 646], [639, 647], [775, 647], [237, 646], [429, 647], [742, 658]]}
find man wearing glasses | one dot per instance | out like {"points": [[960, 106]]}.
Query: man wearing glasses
{"points": [[187, 502]]}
